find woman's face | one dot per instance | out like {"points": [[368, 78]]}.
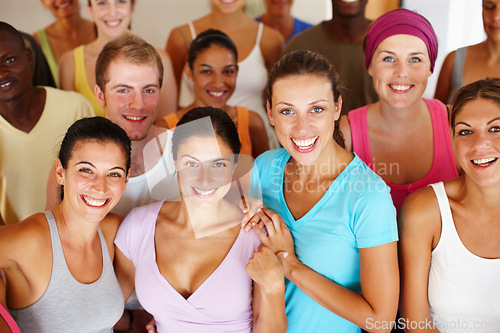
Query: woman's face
{"points": [[204, 166], [491, 19], [400, 68], [303, 114], [214, 76], [112, 17], [61, 8], [94, 179], [477, 140], [228, 6]]}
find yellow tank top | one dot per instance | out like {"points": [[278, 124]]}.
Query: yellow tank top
{"points": [[81, 82]]}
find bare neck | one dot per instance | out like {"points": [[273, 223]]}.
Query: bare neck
{"points": [[24, 112], [344, 29], [137, 166]]}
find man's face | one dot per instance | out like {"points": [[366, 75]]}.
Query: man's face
{"points": [[131, 97], [349, 7], [15, 72]]}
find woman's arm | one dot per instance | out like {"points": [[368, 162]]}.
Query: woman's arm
{"points": [[168, 92], [272, 45], [443, 85], [177, 49], [67, 71], [379, 279], [125, 273], [268, 292], [419, 232], [258, 134]]}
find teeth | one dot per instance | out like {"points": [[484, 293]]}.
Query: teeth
{"points": [[216, 94], [202, 192], [349, 1], [94, 202], [134, 118], [305, 144], [5, 84], [400, 87], [113, 23], [483, 161]]}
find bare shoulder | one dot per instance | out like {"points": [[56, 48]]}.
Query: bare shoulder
{"points": [[272, 45], [420, 213], [28, 236], [177, 36], [67, 71], [110, 224], [254, 120]]}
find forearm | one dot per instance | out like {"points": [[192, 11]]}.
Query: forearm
{"points": [[344, 302], [272, 315]]}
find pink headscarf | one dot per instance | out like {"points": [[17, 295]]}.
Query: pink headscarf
{"points": [[401, 22]]}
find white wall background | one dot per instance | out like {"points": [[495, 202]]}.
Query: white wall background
{"points": [[457, 22]]}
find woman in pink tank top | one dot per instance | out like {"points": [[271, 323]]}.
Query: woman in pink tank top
{"points": [[403, 137]]}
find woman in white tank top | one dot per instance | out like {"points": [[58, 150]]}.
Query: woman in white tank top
{"points": [[259, 47], [450, 233]]}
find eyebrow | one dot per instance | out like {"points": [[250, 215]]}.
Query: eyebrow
{"points": [[411, 53], [122, 85], [488, 123], [493, 120], [214, 160], [311, 103], [92, 165]]}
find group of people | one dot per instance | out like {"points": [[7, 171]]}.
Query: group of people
{"points": [[378, 217]]}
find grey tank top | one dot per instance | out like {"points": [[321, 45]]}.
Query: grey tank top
{"points": [[457, 74], [68, 305]]}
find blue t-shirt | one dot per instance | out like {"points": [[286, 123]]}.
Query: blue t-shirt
{"points": [[355, 212], [298, 27]]}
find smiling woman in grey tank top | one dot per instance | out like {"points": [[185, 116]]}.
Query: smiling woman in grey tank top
{"points": [[58, 265]]}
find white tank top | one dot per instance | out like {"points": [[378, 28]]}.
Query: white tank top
{"points": [[464, 289]]}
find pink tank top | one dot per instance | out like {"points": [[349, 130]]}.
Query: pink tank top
{"points": [[443, 165]]}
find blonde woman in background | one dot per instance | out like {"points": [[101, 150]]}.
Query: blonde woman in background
{"points": [[77, 67]]}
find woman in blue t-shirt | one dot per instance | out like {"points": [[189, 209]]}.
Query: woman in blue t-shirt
{"points": [[325, 208]]}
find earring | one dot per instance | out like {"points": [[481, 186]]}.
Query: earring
{"points": [[61, 181]]}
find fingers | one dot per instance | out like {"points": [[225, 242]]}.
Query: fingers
{"points": [[252, 206], [151, 326], [248, 223], [262, 236], [281, 254], [274, 217]]}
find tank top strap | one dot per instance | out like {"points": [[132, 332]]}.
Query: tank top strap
{"points": [[49, 56], [171, 120], [58, 263], [243, 126], [259, 33], [359, 134], [447, 225], [191, 29], [9, 320], [457, 72]]}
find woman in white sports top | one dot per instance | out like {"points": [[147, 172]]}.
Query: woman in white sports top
{"points": [[449, 234], [259, 47]]}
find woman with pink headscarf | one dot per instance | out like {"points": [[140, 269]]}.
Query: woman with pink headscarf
{"points": [[403, 137]]}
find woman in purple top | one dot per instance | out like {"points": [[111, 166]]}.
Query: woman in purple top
{"points": [[189, 260]]}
